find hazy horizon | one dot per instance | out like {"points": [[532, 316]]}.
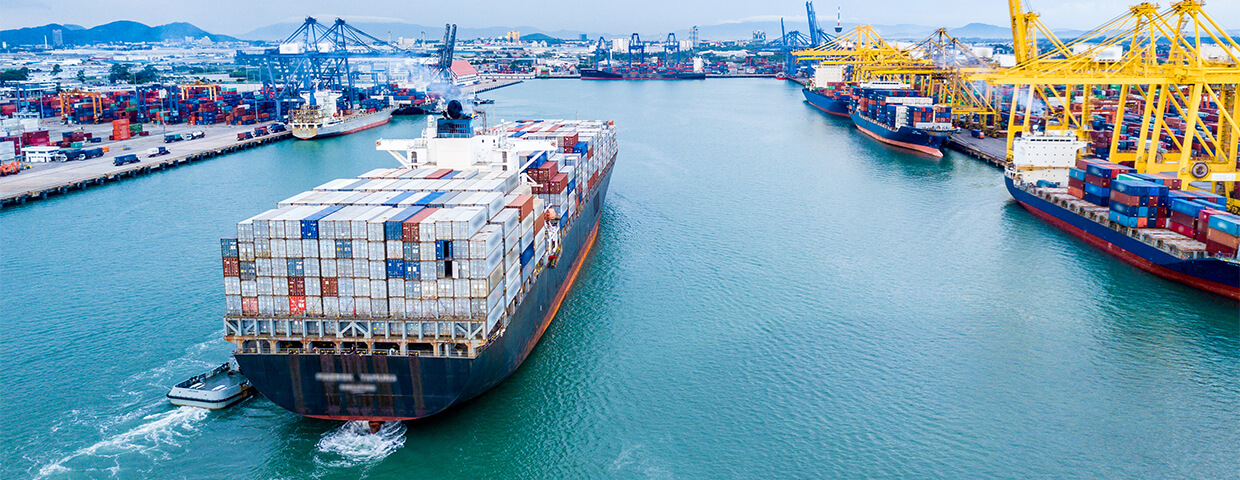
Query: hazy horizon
{"points": [[236, 18]]}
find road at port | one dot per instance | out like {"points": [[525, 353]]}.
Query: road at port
{"points": [[772, 294]]}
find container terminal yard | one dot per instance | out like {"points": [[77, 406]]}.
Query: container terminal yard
{"points": [[417, 250]]}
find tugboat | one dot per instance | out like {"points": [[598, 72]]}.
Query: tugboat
{"points": [[222, 387]]}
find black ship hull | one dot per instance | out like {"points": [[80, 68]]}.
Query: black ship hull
{"points": [[595, 74], [392, 388]]}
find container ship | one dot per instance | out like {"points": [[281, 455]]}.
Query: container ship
{"points": [[322, 118], [1146, 220], [828, 91], [893, 113], [405, 291], [637, 72]]}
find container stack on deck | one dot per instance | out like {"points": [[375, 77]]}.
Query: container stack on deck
{"points": [[561, 174], [401, 243], [1139, 200]]}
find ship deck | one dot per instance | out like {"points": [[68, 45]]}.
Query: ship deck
{"points": [[1168, 241]]}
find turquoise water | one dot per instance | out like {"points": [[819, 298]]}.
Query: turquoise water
{"points": [[771, 294]]}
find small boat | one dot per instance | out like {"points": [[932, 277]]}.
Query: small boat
{"points": [[219, 388], [483, 101]]}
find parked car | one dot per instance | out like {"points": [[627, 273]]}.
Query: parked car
{"points": [[124, 159]]}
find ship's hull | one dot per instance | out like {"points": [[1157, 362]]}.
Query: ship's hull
{"points": [[1210, 274], [355, 124], [423, 386], [595, 74], [903, 137], [832, 106]]}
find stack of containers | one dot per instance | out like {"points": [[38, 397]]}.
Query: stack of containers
{"points": [[1091, 180], [1191, 214], [458, 248], [1137, 203]]}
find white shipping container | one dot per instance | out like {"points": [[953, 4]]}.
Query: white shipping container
{"points": [[347, 306], [396, 287], [376, 251], [327, 268], [395, 249], [310, 248], [279, 267], [379, 307], [245, 251], [413, 289], [361, 268], [361, 287], [447, 307], [344, 287], [265, 287], [378, 289], [262, 248], [249, 288], [378, 270], [279, 285], [314, 306], [232, 286], [445, 288], [361, 305], [461, 287], [311, 267], [313, 286], [327, 248], [430, 289], [232, 305], [361, 248], [331, 306], [265, 305], [396, 307]]}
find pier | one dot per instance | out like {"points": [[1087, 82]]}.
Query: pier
{"points": [[48, 179], [989, 150]]}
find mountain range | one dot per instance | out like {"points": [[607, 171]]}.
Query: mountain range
{"points": [[115, 32]]}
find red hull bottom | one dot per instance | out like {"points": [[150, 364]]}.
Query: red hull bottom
{"points": [[838, 114], [1134, 259], [934, 152]]}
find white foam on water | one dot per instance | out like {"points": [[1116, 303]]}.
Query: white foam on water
{"points": [[156, 430], [353, 444]]}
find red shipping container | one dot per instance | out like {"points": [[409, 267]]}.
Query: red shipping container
{"points": [[1203, 219], [297, 286], [409, 229], [1130, 200], [524, 205], [437, 174], [1182, 229], [330, 287], [540, 221], [1076, 183], [1223, 238], [297, 305], [1184, 219], [1216, 248], [1104, 182], [232, 267], [249, 305]]}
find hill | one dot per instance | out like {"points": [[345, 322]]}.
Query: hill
{"points": [[123, 31]]}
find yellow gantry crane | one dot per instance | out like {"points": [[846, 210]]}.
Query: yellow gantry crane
{"points": [[1176, 71]]}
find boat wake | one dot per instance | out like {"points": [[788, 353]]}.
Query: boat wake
{"points": [[155, 431], [353, 444]]}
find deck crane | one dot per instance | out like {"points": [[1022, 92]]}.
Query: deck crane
{"points": [[1177, 71], [602, 52]]}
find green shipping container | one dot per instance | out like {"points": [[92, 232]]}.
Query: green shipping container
{"points": [[135, 127], [75, 145]]}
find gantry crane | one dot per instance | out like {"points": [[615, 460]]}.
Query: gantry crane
{"points": [[1168, 64]]}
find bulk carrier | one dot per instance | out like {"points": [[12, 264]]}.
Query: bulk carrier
{"points": [[1128, 215], [403, 292], [893, 113], [321, 118]]}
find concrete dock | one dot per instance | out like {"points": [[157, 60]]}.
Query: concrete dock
{"points": [[45, 179], [990, 150]]}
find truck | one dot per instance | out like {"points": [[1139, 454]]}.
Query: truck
{"points": [[125, 159], [156, 151], [276, 127], [244, 136], [172, 137], [194, 135], [260, 131]]}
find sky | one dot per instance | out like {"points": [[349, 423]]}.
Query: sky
{"points": [[236, 17]]}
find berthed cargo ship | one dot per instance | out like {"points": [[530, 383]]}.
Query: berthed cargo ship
{"points": [[1145, 220], [321, 118], [403, 292], [622, 73], [893, 113], [828, 91]]}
